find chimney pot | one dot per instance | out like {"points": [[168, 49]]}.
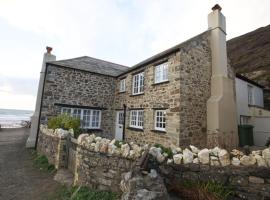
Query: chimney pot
{"points": [[49, 49], [216, 7]]}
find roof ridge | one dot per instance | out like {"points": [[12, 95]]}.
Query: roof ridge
{"points": [[97, 59], [105, 61]]}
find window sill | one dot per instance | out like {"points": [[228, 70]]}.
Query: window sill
{"points": [[135, 129], [159, 83], [92, 129], [158, 131], [121, 92], [132, 95]]}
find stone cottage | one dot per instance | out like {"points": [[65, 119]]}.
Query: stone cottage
{"points": [[183, 95]]}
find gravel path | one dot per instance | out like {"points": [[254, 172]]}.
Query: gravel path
{"points": [[18, 178]]}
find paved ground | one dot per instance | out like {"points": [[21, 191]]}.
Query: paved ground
{"points": [[18, 178]]}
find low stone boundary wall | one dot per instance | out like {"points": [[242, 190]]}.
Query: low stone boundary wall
{"points": [[246, 182], [99, 170], [101, 163], [52, 144]]}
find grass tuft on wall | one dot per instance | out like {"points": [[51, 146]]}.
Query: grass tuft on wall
{"points": [[82, 193], [41, 162]]}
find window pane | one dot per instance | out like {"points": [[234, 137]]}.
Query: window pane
{"points": [[138, 83], [76, 113], [161, 72], [160, 123], [122, 85], [66, 110], [86, 118]]}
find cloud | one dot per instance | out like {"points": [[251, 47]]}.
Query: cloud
{"points": [[16, 101], [120, 31], [18, 86]]}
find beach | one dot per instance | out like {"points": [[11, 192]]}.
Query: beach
{"points": [[11, 118]]}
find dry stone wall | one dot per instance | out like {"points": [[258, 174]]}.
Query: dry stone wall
{"points": [[101, 162], [52, 144], [105, 164]]}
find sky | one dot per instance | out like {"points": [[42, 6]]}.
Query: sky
{"points": [[121, 31]]}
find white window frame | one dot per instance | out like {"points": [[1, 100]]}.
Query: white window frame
{"points": [[122, 87], [136, 119], [250, 94], [138, 83], [161, 72], [94, 120], [160, 120]]}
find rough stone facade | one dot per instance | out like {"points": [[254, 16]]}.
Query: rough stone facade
{"points": [[159, 96], [79, 88], [195, 77], [54, 148], [183, 97], [100, 171]]}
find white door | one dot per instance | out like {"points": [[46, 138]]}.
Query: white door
{"points": [[119, 125], [261, 131]]}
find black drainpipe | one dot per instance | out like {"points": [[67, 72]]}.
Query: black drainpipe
{"points": [[124, 123], [41, 106]]}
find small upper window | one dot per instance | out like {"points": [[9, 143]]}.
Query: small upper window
{"points": [[250, 95], [122, 87], [161, 72], [160, 121], [138, 83]]}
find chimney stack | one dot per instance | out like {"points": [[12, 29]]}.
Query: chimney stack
{"points": [[32, 139], [49, 49], [221, 106]]}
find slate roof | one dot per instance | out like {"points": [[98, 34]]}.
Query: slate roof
{"points": [[92, 65], [111, 69], [166, 52]]}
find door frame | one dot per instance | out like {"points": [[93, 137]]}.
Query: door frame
{"points": [[117, 124]]}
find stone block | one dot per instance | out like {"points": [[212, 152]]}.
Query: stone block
{"points": [[254, 179]]}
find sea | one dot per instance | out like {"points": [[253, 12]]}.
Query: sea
{"points": [[10, 118]]}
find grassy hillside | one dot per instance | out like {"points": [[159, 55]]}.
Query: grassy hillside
{"points": [[250, 56]]}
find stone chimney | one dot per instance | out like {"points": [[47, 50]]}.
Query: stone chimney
{"points": [[47, 57], [221, 106]]}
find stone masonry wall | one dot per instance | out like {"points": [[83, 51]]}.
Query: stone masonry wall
{"points": [[195, 78], [79, 88], [156, 96], [252, 183], [102, 163], [53, 147], [100, 171], [184, 97]]}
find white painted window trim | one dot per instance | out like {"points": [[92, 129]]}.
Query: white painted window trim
{"points": [[161, 72], [82, 115], [122, 87], [159, 128], [138, 83], [137, 122], [250, 94]]}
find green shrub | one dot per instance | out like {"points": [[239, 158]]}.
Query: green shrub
{"points": [[82, 193], [210, 190], [166, 150], [65, 122], [41, 162]]}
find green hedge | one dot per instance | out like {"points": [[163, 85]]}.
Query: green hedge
{"points": [[65, 122]]}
